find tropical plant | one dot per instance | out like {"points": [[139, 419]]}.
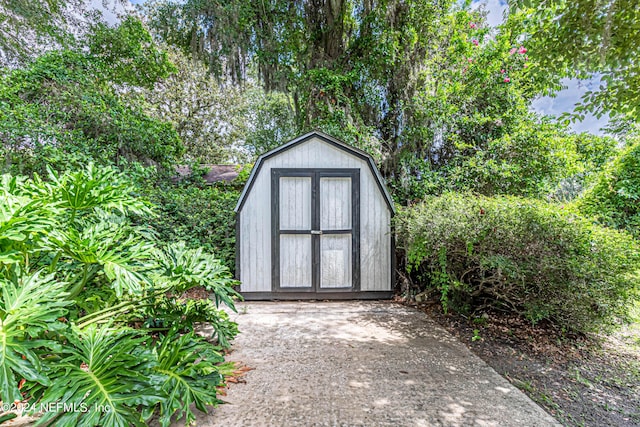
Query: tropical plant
{"points": [[186, 372], [100, 374], [30, 307], [95, 187], [187, 268], [76, 274], [23, 219]]}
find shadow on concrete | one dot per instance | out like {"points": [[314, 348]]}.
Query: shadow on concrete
{"points": [[362, 364]]}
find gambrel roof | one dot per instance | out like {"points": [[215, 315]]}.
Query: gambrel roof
{"points": [[329, 140]]}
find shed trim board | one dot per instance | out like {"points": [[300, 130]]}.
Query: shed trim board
{"points": [[238, 237], [329, 139], [314, 222], [364, 295]]}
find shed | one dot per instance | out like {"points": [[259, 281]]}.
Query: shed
{"points": [[314, 222]]}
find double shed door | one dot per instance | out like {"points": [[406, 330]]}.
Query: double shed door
{"points": [[315, 230]]}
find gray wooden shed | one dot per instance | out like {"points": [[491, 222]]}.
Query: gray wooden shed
{"points": [[314, 222]]}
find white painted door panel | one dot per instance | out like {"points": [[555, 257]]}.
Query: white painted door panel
{"points": [[295, 261], [295, 203], [335, 261], [314, 230], [335, 203]]}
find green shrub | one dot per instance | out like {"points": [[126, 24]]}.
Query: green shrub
{"points": [[520, 255], [200, 215], [614, 200]]}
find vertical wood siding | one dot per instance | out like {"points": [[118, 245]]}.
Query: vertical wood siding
{"points": [[335, 261]]}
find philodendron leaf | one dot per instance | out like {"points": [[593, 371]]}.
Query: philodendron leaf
{"points": [[30, 305], [96, 187], [113, 247], [185, 268], [7, 417], [187, 374], [102, 377]]}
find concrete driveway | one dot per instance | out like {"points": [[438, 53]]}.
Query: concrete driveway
{"points": [[362, 363]]}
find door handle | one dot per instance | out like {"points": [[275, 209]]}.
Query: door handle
{"points": [[316, 232]]}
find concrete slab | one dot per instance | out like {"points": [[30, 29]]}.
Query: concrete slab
{"points": [[362, 363]]}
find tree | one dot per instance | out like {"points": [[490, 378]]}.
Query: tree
{"points": [[614, 199], [30, 27], [427, 88], [126, 54], [583, 38], [203, 113], [350, 68], [218, 123], [64, 107]]}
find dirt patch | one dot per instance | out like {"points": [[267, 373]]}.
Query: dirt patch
{"points": [[196, 293], [580, 380]]}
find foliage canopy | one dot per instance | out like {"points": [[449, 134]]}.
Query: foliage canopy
{"points": [[64, 107], [576, 38], [614, 199]]}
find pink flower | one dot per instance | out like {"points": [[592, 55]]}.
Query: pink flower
{"points": [[502, 71], [473, 25], [512, 51], [525, 65], [469, 59], [522, 50], [506, 80], [475, 42]]}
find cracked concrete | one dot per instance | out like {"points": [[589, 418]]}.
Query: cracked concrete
{"points": [[361, 363]]}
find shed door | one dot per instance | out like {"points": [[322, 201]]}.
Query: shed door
{"points": [[315, 216]]}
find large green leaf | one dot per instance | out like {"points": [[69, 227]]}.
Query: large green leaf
{"points": [[96, 187], [102, 376], [113, 247], [30, 305], [185, 268], [21, 217], [187, 373], [169, 311]]}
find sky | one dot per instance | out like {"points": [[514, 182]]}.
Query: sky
{"points": [[111, 9], [564, 101]]}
